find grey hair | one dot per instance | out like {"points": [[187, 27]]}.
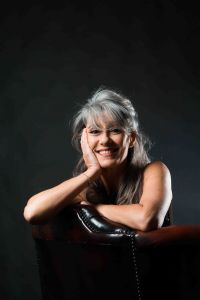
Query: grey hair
{"points": [[121, 110]]}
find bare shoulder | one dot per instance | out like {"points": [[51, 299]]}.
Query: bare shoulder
{"points": [[156, 168]]}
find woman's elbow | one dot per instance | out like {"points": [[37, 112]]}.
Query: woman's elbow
{"points": [[149, 224], [30, 216]]}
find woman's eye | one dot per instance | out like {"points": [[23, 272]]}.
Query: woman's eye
{"points": [[94, 131], [116, 130]]}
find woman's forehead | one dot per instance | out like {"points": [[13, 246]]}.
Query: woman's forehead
{"points": [[103, 120]]}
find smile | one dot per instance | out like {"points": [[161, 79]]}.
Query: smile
{"points": [[107, 153]]}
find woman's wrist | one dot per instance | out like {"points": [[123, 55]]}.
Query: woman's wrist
{"points": [[88, 177], [92, 174]]}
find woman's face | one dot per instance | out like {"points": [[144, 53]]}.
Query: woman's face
{"points": [[109, 142]]}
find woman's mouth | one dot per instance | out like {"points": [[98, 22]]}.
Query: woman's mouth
{"points": [[107, 152]]}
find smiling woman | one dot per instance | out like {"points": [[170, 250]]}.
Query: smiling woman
{"points": [[109, 143], [114, 173]]}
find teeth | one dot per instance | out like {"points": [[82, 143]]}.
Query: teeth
{"points": [[106, 152]]}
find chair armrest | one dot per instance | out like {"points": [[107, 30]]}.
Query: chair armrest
{"points": [[168, 236], [83, 223]]}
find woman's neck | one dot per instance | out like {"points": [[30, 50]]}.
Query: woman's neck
{"points": [[111, 179]]}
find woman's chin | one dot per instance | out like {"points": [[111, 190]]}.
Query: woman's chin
{"points": [[111, 163], [106, 164]]}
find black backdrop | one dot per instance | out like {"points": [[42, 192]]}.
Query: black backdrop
{"points": [[52, 57]]}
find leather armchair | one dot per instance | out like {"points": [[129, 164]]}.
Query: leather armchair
{"points": [[84, 255]]}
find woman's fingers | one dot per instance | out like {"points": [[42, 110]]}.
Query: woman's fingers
{"points": [[85, 202], [84, 143]]}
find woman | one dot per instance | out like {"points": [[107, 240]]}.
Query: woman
{"points": [[114, 173]]}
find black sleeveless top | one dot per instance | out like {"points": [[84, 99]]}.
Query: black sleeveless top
{"points": [[168, 217]]}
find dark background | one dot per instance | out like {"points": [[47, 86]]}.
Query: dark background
{"points": [[52, 57]]}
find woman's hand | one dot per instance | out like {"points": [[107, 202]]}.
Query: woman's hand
{"points": [[89, 156]]}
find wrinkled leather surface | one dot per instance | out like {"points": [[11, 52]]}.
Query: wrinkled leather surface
{"points": [[97, 223]]}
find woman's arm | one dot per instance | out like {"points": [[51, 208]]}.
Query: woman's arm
{"points": [[154, 203], [46, 204]]}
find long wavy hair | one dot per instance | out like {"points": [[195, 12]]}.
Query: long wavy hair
{"points": [[121, 110]]}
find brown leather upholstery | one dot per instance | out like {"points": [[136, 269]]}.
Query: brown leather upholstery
{"points": [[84, 255], [169, 262]]}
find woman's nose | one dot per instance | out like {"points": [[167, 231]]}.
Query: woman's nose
{"points": [[104, 138]]}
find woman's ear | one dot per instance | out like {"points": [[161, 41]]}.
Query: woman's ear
{"points": [[132, 139]]}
